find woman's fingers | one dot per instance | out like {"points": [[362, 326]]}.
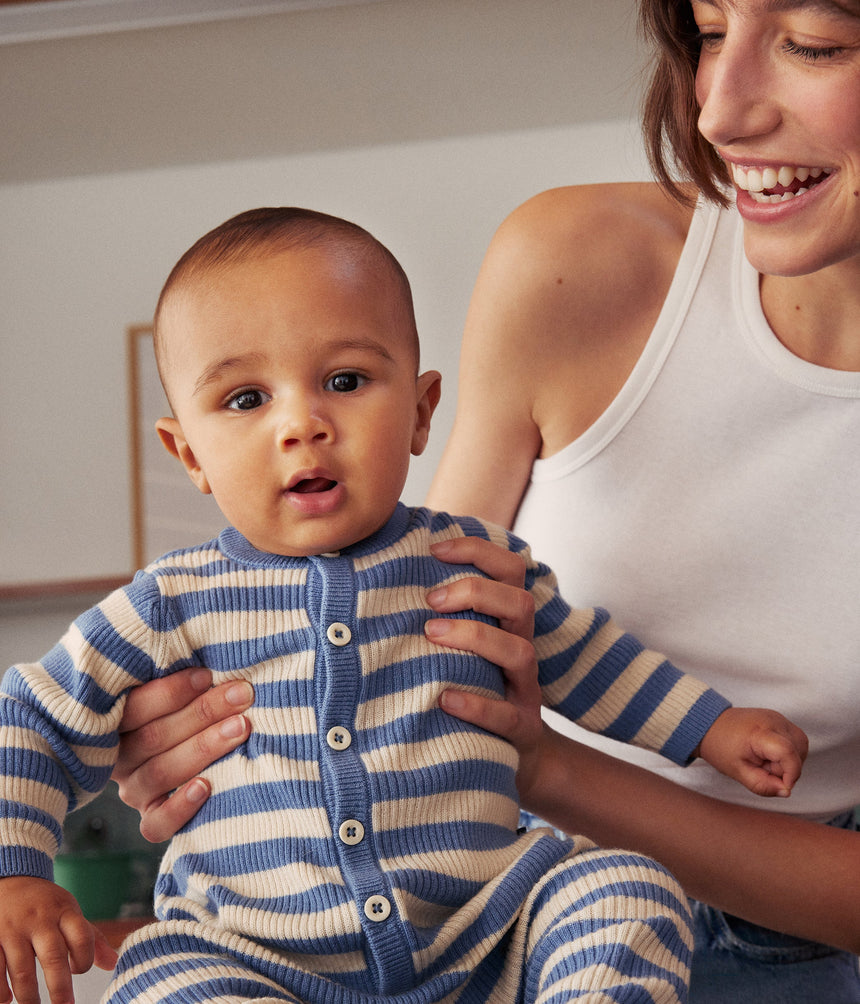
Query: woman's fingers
{"points": [[501, 595], [168, 766], [162, 697], [510, 605], [517, 718], [176, 716], [499, 717], [509, 646], [169, 734], [164, 817], [492, 559], [510, 651]]}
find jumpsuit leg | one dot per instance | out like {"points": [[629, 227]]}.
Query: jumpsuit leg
{"points": [[607, 926], [178, 964]]}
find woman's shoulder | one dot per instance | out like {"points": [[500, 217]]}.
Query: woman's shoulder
{"points": [[579, 276], [599, 257], [590, 226]]}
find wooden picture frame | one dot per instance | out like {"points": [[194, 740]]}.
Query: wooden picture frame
{"points": [[167, 511]]}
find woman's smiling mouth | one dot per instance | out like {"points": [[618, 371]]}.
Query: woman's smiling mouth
{"points": [[777, 183]]}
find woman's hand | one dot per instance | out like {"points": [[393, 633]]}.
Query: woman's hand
{"points": [[509, 646], [171, 729]]}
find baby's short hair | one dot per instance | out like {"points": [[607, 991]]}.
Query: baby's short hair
{"points": [[272, 230]]}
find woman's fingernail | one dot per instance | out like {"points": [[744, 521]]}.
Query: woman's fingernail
{"points": [[451, 700], [441, 548], [197, 791], [201, 679], [232, 728], [437, 628], [437, 596], [240, 695]]}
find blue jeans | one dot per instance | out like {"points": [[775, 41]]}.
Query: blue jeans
{"points": [[739, 963]]}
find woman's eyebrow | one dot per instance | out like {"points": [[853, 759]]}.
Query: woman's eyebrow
{"points": [[819, 6], [832, 7]]}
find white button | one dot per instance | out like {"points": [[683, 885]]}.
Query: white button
{"points": [[377, 908], [338, 738], [339, 634], [351, 832]]}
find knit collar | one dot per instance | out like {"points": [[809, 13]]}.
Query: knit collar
{"points": [[237, 547]]}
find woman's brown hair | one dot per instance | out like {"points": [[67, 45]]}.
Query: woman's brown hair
{"points": [[676, 149]]}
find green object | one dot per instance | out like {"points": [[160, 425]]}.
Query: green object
{"points": [[104, 862], [100, 882]]}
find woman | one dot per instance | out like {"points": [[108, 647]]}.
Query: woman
{"points": [[673, 395]]}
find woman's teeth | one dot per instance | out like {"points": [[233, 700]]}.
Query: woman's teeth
{"points": [[777, 184]]}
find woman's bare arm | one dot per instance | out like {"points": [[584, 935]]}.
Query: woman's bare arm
{"points": [[784, 873], [779, 871], [568, 292]]}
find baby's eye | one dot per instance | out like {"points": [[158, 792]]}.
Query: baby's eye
{"points": [[247, 400], [343, 383]]}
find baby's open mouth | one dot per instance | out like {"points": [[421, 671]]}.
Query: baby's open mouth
{"points": [[308, 486]]}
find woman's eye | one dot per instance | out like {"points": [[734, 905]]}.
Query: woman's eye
{"points": [[811, 53], [247, 400], [710, 39], [343, 383]]}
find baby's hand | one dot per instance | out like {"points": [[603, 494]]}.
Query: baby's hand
{"points": [[40, 920], [762, 749]]}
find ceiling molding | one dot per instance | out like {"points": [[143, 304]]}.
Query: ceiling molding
{"points": [[37, 21]]}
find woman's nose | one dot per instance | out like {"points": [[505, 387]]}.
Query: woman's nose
{"points": [[736, 93]]}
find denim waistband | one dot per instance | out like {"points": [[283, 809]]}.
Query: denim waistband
{"points": [[844, 821]]}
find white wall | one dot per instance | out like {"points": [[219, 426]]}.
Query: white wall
{"points": [[535, 94]]}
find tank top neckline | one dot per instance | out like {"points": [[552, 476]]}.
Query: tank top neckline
{"points": [[744, 288]]}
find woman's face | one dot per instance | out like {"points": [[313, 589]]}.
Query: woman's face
{"points": [[778, 87]]}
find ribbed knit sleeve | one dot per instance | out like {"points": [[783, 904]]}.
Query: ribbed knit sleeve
{"points": [[603, 679], [59, 720]]}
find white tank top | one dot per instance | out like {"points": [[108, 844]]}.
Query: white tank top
{"points": [[714, 509]]}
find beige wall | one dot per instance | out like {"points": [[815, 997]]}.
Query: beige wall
{"points": [[424, 120]]}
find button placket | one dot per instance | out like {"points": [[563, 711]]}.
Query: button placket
{"points": [[338, 695]]}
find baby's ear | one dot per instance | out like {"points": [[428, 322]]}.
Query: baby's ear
{"points": [[429, 392], [170, 433]]}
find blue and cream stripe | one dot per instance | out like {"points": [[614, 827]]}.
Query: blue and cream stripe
{"points": [[361, 844]]}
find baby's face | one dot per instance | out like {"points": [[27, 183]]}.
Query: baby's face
{"points": [[293, 379]]}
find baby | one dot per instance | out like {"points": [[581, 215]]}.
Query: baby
{"points": [[361, 844]]}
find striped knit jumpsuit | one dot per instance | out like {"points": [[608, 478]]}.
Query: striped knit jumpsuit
{"points": [[362, 846]]}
